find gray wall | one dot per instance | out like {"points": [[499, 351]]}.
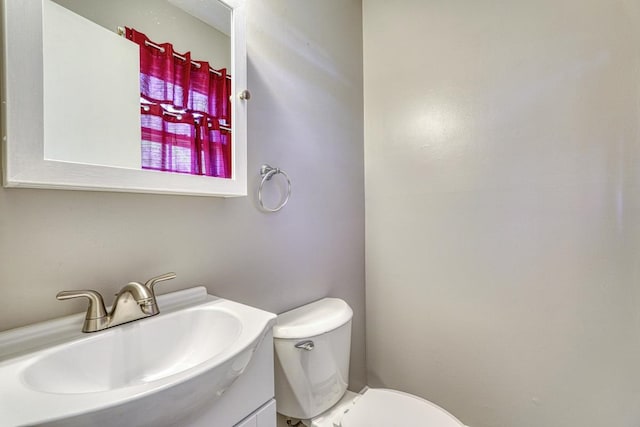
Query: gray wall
{"points": [[502, 143], [305, 116]]}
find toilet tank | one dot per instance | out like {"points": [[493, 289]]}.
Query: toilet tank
{"points": [[312, 347]]}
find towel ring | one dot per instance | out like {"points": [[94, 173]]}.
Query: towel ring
{"points": [[267, 173]]}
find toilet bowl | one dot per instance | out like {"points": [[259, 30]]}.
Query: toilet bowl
{"points": [[379, 407], [312, 346]]}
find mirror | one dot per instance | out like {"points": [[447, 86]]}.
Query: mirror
{"points": [[73, 120]]}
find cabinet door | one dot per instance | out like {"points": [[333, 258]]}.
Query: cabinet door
{"points": [[249, 422], [266, 416]]}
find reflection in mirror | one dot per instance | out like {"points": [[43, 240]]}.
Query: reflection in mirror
{"points": [[157, 98]]}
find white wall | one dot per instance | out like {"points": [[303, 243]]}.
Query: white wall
{"points": [[305, 116], [105, 125], [503, 208]]}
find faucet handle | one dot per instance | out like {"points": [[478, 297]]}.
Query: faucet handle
{"points": [[96, 303], [151, 282], [96, 313]]}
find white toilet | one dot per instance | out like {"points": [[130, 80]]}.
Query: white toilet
{"points": [[312, 346]]}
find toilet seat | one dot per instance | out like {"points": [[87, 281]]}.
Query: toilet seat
{"points": [[384, 408]]}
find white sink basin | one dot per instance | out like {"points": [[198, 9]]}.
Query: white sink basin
{"points": [[51, 372], [137, 354]]}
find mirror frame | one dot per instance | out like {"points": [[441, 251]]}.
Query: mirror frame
{"points": [[24, 164]]}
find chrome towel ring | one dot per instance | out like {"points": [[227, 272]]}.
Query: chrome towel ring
{"points": [[267, 173]]}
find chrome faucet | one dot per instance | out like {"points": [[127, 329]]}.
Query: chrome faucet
{"points": [[134, 301]]}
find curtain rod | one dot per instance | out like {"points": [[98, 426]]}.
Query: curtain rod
{"points": [[122, 32], [178, 115]]}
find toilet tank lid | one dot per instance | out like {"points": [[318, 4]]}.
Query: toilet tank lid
{"points": [[312, 319]]}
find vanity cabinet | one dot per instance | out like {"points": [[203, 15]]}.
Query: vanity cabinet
{"points": [[250, 401], [263, 417]]}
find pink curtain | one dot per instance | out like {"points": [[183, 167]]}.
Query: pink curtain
{"points": [[216, 150], [209, 92], [183, 105], [168, 141]]}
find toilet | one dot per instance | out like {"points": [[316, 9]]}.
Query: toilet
{"points": [[312, 347]]}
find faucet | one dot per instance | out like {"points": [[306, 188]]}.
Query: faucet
{"points": [[134, 301]]}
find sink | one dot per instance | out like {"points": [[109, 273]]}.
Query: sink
{"points": [[198, 344], [138, 354]]}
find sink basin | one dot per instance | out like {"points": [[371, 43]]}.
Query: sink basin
{"points": [[199, 343], [137, 354]]}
